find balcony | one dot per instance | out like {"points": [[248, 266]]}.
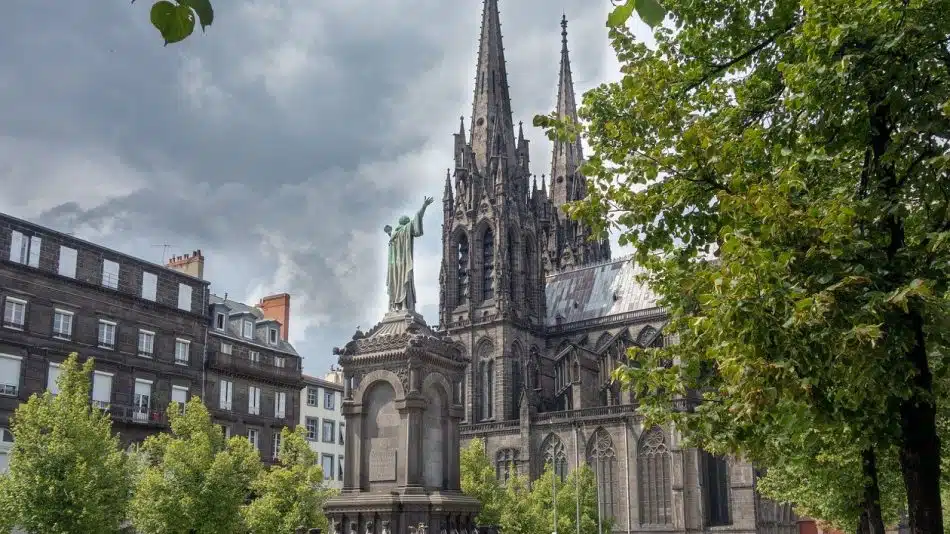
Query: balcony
{"points": [[252, 368], [151, 416]]}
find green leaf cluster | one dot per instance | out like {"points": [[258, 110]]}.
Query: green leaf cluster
{"points": [[290, 494], [196, 482], [67, 473], [781, 169], [520, 506], [175, 20]]}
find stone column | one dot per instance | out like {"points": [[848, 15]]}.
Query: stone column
{"points": [[410, 437], [352, 473]]}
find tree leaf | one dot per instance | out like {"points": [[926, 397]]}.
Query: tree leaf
{"points": [[620, 14], [174, 22], [203, 9], [651, 12]]}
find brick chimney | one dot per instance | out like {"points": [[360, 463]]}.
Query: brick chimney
{"points": [[277, 307], [193, 264]]}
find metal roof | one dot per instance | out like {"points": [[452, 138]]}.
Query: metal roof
{"points": [[598, 290]]}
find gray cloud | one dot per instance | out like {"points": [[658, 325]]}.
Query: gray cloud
{"points": [[279, 143]]}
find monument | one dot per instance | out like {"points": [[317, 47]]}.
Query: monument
{"points": [[402, 405]]}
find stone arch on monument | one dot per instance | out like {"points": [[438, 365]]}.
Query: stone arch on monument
{"points": [[436, 426], [380, 433]]}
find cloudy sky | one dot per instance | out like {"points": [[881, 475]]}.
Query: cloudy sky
{"points": [[279, 143]]}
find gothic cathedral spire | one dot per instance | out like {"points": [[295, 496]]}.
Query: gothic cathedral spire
{"points": [[492, 133], [566, 184]]}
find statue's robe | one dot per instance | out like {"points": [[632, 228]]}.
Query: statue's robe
{"points": [[399, 279]]}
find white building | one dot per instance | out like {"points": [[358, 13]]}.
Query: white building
{"points": [[320, 414]]}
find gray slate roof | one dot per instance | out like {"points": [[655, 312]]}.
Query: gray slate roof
{"points": [[233, 329], [598, 290]]}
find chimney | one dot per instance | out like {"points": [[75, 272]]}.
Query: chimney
{"points": [[277, 307], [192, 264]]}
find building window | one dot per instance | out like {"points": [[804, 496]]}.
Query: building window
{"points": [[254, 400], [326, 462], [110, 274], [142, 399], [25, 249], [488, 264], [219, 321], [253, 436], [279, 362], [106, 334], [329, 431], [272, 336], [149, 286], [226, 391], [342, 431], [52, 378], [254, 356], [462, 270], [10, 374], [146, 343], [506, 464], [226, 348], [248, 329], [62, 324], [227, 432], [67, 261], [180, 395], [339, 468], [602, 458], [14, 313], [487, 380], [275, 451], [313, 428], [280, 405], [554, 457], [716, 485], [313, 396], [182, 350], [101, 389], [184, 297], [329, 399], [654, 478]]}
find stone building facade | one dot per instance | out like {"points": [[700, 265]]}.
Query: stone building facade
{"points": [[144, 325], [545, 315], [321, 404]]}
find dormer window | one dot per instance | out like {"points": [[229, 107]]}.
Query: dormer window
{"points": [[219, 319], [248, 329], [272, 336]]}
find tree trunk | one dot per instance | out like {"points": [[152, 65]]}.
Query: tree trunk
{"points": [[863, 524], [872, 493], [920, 445]]}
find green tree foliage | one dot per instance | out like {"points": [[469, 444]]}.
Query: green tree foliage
{"points": [[523, 507], [67, 473], [195, 482], [802, 145], [478, 479], [175, 20], [291, 493]]}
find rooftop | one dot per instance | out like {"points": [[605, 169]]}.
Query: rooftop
{"points": [[598, 290], [260, 338]]}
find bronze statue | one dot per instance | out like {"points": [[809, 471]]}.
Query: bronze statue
{"points": [[399, 276]]}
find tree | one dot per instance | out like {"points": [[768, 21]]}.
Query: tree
{"points": [[781, 168], [290, 494], [479, 480], [175, 20], [196, 482], [67, 472], [542, 507]]}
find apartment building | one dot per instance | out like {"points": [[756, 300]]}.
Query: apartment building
{"points": [[144, 324], [320, 415], [253, 372]]}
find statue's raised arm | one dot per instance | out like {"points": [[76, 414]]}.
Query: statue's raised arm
{"points": [[399, 279]]}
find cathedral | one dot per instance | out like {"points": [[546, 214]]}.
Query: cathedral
{"points": [[546, 314]]}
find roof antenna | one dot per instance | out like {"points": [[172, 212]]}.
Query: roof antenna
{"points": [[165, 247]]}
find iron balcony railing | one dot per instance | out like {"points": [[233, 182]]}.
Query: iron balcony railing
{"points": [[224, 361]]}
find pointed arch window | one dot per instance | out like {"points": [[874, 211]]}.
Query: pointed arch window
{"points": [[602, 459], [517, 382], [487, 379], [716, 485], [513, 274], [655, 485], [462, 268], [506, 464], [488, 264], [531, 275], [552, 450]]}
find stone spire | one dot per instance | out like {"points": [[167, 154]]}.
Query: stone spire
{"points": [[566, 184], [492, 134]]}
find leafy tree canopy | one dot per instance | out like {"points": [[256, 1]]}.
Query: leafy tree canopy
{"points": [[196, 482], [67, 473]]}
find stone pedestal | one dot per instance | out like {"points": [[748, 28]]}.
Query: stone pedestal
{"points": [[402, 405]]}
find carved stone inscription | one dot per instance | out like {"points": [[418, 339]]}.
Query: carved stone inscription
{"points": [[382, 460]]}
